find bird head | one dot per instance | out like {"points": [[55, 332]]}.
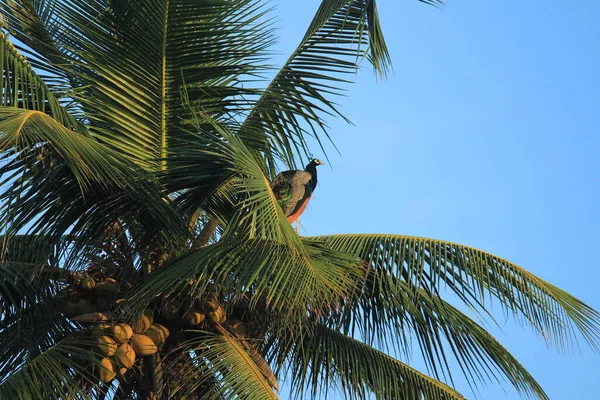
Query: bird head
{"points": [[314, 162]]}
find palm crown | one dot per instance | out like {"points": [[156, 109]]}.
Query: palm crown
{"points": [[137, 152]]}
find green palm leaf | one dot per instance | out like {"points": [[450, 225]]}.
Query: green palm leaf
{"points": [[222, 355], [58, 372], [35, 25], [391, 312], [23, 88], [327, 358], [42, 155], [472, 275], [292, 282], [292, 107], [125, 123], [137, 57]]}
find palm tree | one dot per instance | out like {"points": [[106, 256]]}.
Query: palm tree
{"points": [[144, 254]]}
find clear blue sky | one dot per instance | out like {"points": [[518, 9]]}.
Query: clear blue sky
{"points": [[486, 134]]}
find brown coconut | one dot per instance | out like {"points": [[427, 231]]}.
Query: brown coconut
{"points": [[239, 327], [108, 286], [101, 328], [194, 316], [143, 345], [125, 355], [143, 323], [157, 333], [106, 345], [84, 307], [106, 370], [121, 333], [218, 316], [170, 311], [87, 284], [70, 309], [211, 302]]}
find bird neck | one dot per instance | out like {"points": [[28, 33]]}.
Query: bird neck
{"points": [[312, 169]]}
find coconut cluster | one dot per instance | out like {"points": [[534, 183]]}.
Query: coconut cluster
{"points": [[210, 309], [88, 295], [120, 343]]}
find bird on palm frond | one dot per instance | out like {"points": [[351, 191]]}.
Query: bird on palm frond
{"points": [[294, 188]]}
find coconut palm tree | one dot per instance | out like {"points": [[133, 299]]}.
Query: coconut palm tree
{"points": [[144, 255]]}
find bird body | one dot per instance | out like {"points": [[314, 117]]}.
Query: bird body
{"points": [[294, 188]]}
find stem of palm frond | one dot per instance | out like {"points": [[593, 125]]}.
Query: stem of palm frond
{"points": [[205, 234]]}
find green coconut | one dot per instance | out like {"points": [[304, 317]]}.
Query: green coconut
{"points": [[101, 328]]}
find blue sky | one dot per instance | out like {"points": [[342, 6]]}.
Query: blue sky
{"points": [[485, 134]]}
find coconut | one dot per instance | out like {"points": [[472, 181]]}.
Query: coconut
{"points": [[84, 307], [143, 323], [157, 333], [121, 333], [101, 328], [218, 316], [104, 303], [170, 311], [106, 370], [108, 286], [70, 309], [106, 345], [211, 302], [125, 355], [194, 316], [143, 345], [87, 284], [239, 327], [164, 330], [93, 317]]}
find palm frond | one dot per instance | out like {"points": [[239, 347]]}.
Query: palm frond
{"points": [[220, 165], [23, 88], [42, 155], [130, 57], [326, 359], [59, 371], [286, 280], [474, 275], [293, 105], [391, 313], [224, 363], [35, 25], [22, 284]]}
